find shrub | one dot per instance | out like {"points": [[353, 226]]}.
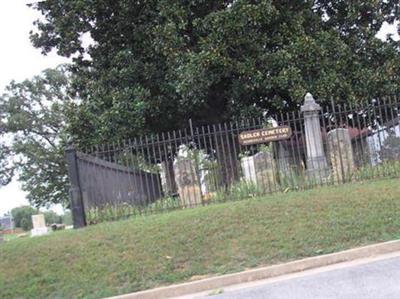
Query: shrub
{"points": [[52, 217], [23, 217]]}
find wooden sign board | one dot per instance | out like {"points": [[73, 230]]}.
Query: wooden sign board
{"points": [[265, 135]]}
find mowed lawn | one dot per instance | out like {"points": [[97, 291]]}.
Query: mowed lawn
{"points": [[142, 253]]}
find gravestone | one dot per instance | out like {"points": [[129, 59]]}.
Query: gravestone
{"points": [[340, 154], [39, 225], [204, 186], [187, 182], [167, 178], [209, 181], [361, 151], [208, 177], [283, 160], [260, 169], [248, 169]]}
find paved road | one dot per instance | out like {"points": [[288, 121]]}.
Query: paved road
{"points": [[374, 280]]}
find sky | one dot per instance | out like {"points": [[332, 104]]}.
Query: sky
{"points": [[19, 60]]}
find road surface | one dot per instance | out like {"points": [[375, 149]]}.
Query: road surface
{"points": [[371, 279]]}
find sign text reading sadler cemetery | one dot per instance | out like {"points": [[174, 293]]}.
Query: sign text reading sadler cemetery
{"points": [[265, 135]]}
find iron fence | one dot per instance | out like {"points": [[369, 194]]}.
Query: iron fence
{"points": [[204, 164]]}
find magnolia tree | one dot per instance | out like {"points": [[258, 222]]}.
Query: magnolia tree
{"points": [[149, 66]]}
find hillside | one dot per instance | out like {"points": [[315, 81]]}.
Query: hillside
{"points": [[145, 252]]}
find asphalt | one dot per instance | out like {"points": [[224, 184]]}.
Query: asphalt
{"points": [[371, 280]]}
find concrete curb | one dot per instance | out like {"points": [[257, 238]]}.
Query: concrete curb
{"points": [[265, 272]]}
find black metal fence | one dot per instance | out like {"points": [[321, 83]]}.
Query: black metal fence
{"points": [[206, 164]]}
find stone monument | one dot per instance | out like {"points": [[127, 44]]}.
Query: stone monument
{"points": [[340, 154], [317, 166]]}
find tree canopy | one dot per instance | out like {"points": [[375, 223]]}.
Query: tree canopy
{"points": [[151, 65], [33, 136]]}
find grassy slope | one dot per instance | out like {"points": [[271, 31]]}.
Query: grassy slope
{"points": [[125, 256]]}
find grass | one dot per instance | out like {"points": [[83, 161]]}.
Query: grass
{"points": [[118, 212], [9, 237], [144, 252]]}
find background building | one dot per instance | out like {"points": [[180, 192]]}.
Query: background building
{"points": [[6, 222]]}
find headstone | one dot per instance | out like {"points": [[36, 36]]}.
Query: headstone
{"points": [[361, 151], [283, 160], [317, 166], [39, 225], [260, 169], [204, 182], [340, 154], [248, 169], [265, 166], [167, 178], [187, 182], [207, 173]]}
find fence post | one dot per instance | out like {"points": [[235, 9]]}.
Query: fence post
{"points": [[75, 192], [317, 166]]}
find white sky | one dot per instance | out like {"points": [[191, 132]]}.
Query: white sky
{"points": [[19, 60]]}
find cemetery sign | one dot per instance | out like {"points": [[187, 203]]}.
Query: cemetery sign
{"points": [[265, 135]]}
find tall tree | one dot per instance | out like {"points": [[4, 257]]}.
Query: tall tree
{"points": [[6, 170], [32, 126], [154, 64]]}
